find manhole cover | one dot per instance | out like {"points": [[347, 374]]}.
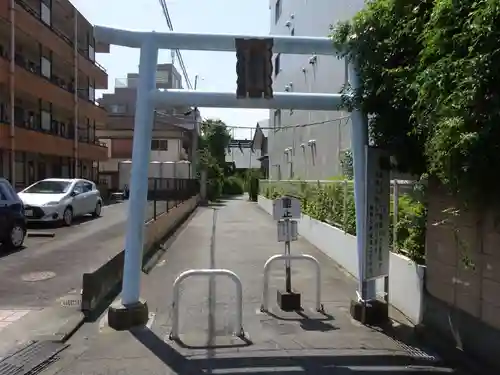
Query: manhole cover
{"points": [[38, 276]]}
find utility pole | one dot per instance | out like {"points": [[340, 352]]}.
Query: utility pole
{"points": [[196, 134]]}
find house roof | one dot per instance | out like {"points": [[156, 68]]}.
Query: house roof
{"points": [[261, 132], [263, 125]]}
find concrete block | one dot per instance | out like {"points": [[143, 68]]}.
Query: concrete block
{"points": [[121, 317]]}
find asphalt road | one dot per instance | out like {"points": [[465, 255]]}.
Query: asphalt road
{"points": [[61, 260]]}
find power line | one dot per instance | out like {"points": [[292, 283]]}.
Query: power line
{"points": [[344, 120], [339, 119], [233, 127], [166, 14]]}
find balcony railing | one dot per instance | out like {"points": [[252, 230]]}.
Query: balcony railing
{"points": [[35, 68], [32, 119], [59, 33]]}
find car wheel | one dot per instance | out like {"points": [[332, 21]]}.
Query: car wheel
{"points": [[97, 211], [16, 237], [68, 216]]}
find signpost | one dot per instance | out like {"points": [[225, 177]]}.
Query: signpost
{"points": [[378, 185], [284, 210]]}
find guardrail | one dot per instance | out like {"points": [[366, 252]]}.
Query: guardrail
{"points": [[167, 193]]}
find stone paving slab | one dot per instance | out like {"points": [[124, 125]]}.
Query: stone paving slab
{"points": [[283, 343]]}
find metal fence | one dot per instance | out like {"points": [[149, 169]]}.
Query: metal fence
{"points": [[338, 209], [167, 193]]}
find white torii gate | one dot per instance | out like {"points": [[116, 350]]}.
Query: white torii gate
{"points": [[148, 96]]}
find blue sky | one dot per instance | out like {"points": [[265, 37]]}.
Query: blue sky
{"points": [[216, 69]]}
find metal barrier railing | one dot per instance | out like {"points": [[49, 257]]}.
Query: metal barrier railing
{"points": [[267, 267], [211, 272], [167, 193]]}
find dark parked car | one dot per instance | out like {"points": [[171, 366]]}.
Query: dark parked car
{"points": [[12, 220]]}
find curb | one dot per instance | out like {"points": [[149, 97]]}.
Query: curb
{"points": [[66, 331]]}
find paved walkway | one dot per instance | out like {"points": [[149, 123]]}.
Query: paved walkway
{"points": [[283, 343]]}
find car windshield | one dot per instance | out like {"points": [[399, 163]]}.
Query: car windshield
{"points": [[49, 187]]}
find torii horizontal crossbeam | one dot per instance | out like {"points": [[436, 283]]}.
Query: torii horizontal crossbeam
{"points": [[281, 100], [211, 42]]}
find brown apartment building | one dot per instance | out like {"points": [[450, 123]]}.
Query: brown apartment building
{"points": [[48, 78]]}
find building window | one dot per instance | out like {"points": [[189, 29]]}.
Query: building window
{"points": [[46, 67], [159, 144], [4, 113], [46, 120], [92, 133], [117, 108], [91, 53], [19, 165], [45, 13], [277, 64], [277, 11], [54, 129], [91, 93], [277, 119]]}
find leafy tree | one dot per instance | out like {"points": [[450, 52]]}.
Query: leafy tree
{"points": [[215, 139], [346, 163], [213, 144], [430, 79], [384, 38]]}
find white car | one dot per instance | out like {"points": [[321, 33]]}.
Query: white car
{"points": [[60, 199]]}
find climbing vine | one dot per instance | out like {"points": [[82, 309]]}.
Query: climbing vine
{"points": [[430, 84]]}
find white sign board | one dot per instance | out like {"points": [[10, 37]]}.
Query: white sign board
{"points": [[286, 208], [378, 190], [287, 231]]}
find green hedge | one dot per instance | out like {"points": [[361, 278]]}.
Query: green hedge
{"points": [[325, 202], [233, 185]]}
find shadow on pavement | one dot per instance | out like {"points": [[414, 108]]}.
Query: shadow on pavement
{"points": [[308, 323], [6, 251], [224, 200], [286, 365], [52, 225]]}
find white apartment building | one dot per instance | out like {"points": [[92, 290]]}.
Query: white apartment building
{"points": [[308, 144]]}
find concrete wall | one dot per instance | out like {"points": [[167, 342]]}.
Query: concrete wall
{"points": [[155, 230], [327, 75], [121, 150], [103, 281], [463, 275], [405, 277]]}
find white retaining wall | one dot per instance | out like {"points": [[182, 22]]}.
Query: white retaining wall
{"points": [[406, 278]]}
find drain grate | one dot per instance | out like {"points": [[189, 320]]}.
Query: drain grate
{"points": [[71, 302], [33, 356], [416, 352]]}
